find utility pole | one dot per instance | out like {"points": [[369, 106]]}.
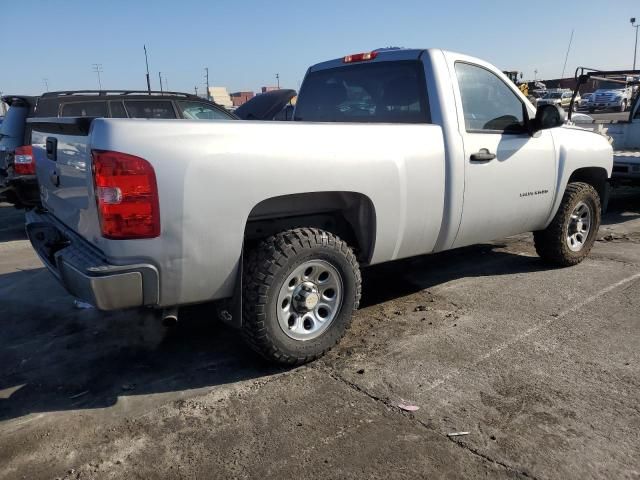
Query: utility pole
{"points": [[196, 89], [97, 67], [46, 84], [206, 69], [278, 80], [635, 48], [146, 61], [535, 75], [566, 58], [166, 83], [160, 77]]}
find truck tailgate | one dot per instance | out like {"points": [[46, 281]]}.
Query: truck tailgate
{"points": [[63, 165]]}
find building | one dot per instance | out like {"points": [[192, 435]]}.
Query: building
{"points": [[269, 89], [240, 98], [220, 96]]}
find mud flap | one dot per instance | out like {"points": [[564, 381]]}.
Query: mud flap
{"points": [[230, 311]]}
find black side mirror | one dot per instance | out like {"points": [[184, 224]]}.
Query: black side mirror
{"points": [[548, 116]]}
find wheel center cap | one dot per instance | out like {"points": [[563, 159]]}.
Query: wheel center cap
{"points": [[306, 297]]}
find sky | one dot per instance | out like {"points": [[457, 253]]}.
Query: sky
{"points": [[246, 42]]}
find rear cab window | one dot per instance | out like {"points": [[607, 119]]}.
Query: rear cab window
{"points": [[382, 92], [150, 108]]}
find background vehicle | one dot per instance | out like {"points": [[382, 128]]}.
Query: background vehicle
{"points": [[624, 135], [391, 154], [585, 102], [615, 91], [561, 98], [516, 78], [17, 170]]}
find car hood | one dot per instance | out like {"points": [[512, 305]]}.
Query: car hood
{"points": [[265, 105]]}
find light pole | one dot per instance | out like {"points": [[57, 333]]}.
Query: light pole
{"points": [[206, 76], [278, 80], [97, 67], [146, 61], [46, 84], [160, 77], [635, 48]]}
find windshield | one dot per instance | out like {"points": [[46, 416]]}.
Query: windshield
{"points": [[604, 85], [392, 92]]}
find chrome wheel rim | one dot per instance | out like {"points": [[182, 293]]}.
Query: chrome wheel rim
{"points": [[309, 300], [579, 227]]}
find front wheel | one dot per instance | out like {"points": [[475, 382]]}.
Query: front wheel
{"points": [[301, 288], [623, 106], [571, 234]]}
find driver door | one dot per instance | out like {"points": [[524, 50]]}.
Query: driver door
{"points": [[509, 174]]}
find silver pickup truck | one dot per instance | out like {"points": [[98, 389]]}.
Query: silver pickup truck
{"points": [[391, 154]]}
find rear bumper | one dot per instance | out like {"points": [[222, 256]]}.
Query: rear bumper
{"points": [[85, 272]]}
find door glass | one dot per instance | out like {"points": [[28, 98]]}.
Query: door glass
{"points": [[84, 109], [487, 102], [150, 109], [117, 110], [202, 111]]}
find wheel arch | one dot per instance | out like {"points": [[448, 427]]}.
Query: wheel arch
{"points": [[596, 177], [350, 215]]}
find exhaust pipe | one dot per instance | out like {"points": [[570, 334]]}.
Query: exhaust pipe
{"points": [[170, 317]]}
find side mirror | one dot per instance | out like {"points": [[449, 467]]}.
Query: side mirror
{"points": [[548, 116]]}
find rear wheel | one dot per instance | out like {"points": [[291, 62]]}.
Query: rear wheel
{"points": [[300, 290], [571, 234]]}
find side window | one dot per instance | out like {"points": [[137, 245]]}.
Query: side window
{"points": [[117, 110], [201, 111], [487, 102], [84, 109], [149, 109]]}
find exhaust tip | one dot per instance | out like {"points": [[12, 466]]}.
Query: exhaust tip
{"points": [[170, 317]]}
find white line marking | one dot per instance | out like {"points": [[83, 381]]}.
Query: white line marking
{"points": [[534, 329]]}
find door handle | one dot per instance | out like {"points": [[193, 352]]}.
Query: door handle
{"points": [[484, 155]]}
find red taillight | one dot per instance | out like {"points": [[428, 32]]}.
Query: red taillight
{"points": [[127, 196], [360, 57], [23, 163]]}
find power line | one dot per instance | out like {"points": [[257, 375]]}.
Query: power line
{"points": [[97, 67]]}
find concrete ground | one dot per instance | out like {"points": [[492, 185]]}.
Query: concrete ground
{"points": [[539, 365]]}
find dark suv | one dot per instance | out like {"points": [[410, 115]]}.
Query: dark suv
{"points": [[18, 183]]}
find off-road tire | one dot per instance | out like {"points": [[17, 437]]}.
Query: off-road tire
{"points": [[551, 243], [266, 268]]}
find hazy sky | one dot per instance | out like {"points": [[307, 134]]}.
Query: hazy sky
{"points": [[245, 43]]}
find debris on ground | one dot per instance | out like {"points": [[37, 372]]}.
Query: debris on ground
{"points": [[80, 305], [457, 434], [78, 395], [408, 408]]}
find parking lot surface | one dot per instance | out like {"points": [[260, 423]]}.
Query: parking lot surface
{"points": [[539, 365]]}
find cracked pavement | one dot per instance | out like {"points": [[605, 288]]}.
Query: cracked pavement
{"points": [[539, 365]]}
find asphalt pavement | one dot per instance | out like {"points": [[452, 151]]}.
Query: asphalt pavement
{"points": [[480, 362]]}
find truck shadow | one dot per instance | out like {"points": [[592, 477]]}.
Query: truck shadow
{"points": [[11, 223], [56, 356]]}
